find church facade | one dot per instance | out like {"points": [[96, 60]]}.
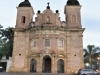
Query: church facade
{"points": [[48, 45]]}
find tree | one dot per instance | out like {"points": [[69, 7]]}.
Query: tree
{"points": [[1, 41], [6, 41], [90, 54], [8, 36]]}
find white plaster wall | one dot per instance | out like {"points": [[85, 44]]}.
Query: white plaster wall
{"points": [[9, 62]]}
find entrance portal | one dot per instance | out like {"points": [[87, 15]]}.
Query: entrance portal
{"points": [[33, 65], [60, 66], [47, 64]]}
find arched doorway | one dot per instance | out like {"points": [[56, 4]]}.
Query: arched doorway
{"points": [[33, 65], [46, 66], [60, 66]]}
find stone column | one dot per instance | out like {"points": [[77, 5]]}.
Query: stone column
{"points": [[81, 51], [55, 61], [68, 70], [65, 65], [41, 61], [68, 42], [28, 64], [39, 65], [53, 65]]}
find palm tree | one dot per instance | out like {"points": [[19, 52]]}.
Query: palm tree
{"points": [[89, 54]]}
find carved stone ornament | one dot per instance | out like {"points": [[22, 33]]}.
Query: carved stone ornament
{"points": [[33, 55], [46, 50]]}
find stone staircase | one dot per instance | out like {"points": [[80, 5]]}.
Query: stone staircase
{"points": [[32, 74]]}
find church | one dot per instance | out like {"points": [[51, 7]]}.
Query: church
{"points": [[48, 45]]}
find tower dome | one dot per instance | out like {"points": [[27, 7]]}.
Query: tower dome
{"points": [[25, 3], [72, 2]]}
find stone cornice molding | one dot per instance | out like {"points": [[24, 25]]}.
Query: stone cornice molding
{"points": [[19, 29], [55, 28], [39, 28]]}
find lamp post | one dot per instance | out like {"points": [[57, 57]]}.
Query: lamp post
{"points": [[87, 65], [1, 68]]}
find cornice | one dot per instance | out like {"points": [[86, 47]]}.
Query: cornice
{"points": [[56, 28]]}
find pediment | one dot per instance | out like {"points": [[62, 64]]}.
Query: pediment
{"points": [[48, 11], [33, 55], [61, 56]]}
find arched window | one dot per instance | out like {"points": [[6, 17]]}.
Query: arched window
{"points": [[60, 66], [34, 43], [23, 19], [74, 19], [33, 65], [48, 20]]}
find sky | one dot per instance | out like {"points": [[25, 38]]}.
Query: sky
{"points": [[90, 15]]}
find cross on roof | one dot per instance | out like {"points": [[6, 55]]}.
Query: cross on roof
{"points": [[48, 3]]}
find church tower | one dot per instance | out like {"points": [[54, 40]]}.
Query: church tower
{"points": [[72, 14], [24, 14], [74, 36]]}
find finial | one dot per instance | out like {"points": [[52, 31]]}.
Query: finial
{"points": [[48, 3], [39, 11], [48, 7], [57, 11]]}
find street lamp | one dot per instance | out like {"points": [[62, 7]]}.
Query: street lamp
{"points": [[1, 67], [87, 65]]}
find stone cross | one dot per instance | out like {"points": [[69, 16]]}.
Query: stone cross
{"points": [[48, 3]]}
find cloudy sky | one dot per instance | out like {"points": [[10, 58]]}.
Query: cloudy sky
{"points": [[90, 14]]}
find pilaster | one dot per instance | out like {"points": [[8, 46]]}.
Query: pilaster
{"points": [[39, 65], [53, 65]]}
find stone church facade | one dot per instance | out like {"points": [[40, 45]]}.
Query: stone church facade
{"points": [[48, 45]]}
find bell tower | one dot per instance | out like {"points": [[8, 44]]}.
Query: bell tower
{"points": [[25, 14], [74, 36], [72, 14], [21, 37]]}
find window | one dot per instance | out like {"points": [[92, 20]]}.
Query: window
{"points": [[23, 19], [34, 43], [48, 20], [60, 43], [73, 19], [47, 42]]}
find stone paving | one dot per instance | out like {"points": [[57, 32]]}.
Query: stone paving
{"points": [[31, 74]]}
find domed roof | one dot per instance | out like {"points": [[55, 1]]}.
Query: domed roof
{"points": [[72, 2], [25, 3]]}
